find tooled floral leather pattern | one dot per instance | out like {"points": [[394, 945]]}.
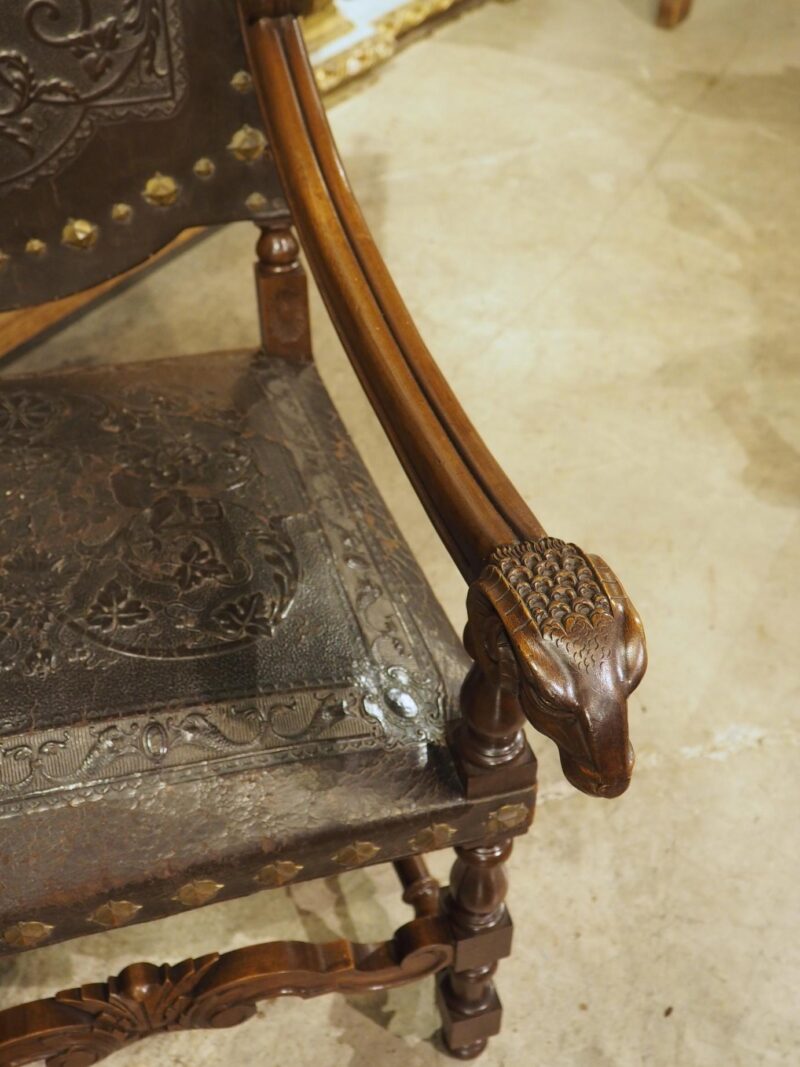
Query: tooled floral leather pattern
{"points": [[122, 124], [196, 578], [67, 65], [188, 570]]}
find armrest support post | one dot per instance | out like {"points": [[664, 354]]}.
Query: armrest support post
{"points": [[282, 294]]}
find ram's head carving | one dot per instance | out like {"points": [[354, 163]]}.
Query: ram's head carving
{"points": [[578, 652]]}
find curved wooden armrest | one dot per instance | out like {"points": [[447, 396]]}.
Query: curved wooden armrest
{"points": [[564, 659], [471, 502]]}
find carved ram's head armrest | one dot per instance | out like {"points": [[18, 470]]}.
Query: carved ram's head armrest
{"points": [[554, 627]]}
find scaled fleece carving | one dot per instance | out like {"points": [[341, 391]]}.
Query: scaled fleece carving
{"points": [[578, 652]]}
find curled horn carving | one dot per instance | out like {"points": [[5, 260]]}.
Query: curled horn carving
{"points": [[577, 651]]}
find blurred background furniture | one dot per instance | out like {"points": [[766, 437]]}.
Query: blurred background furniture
{"points": [[671, 12]]}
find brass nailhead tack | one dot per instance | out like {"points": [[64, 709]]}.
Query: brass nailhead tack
{"points": [[121, 212], [256, 203], [27, 934], [248, 144], [115, 913], [432, 837], [204, 168], [356, 854], [198, 891], [507, 817], [277, 874], [80, 233], [242, 81], [161, 190]]}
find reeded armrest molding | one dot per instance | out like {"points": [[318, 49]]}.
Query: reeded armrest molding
{"points": [[569, 673], [470, 501]]}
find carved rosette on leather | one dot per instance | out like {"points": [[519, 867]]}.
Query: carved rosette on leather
{"points": [[552, 629]]}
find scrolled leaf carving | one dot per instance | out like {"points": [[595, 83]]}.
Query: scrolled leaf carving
{"points": [[82, 1026]]}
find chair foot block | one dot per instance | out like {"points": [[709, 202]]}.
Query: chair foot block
{"points": [[465, 1033], [467, 1052]]}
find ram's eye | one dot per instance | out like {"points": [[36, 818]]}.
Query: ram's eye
{"points": [[550, 708]]}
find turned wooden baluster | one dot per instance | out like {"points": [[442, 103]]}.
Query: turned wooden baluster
{"points": [[470, 1009], [282, 294], [493, 756], [475, 907], [490, 744]]}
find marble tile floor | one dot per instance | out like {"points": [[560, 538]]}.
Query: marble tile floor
{"points": [[597, 225]]}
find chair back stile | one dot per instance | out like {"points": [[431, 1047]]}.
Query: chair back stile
{"points": [[122, 123]]}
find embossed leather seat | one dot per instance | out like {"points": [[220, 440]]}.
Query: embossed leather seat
{"points": [[216, 646], [220, 668]]}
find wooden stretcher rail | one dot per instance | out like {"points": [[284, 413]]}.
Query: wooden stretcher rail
{"points": [[79, 1027]]}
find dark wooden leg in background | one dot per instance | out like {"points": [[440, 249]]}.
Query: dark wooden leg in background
{"points": [[671, 12], [420, 888], [469, 1005], [282, 294]]}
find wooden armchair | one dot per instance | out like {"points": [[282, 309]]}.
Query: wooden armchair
{"points": [[223, 671]]}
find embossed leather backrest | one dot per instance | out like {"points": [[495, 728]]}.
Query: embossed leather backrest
{"points": [[122, 122]]}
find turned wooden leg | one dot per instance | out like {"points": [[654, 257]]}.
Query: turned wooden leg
{"points": [[469, 1005], [671, 12], [282, 294]]}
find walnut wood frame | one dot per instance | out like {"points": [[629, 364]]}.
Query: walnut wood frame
{"points": [[553, 636]]}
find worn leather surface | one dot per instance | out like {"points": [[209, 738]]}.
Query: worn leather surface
{"points": [[217, 651], [100, 97]]}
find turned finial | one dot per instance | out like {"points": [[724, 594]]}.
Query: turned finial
{"points": [[277, 247]]}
